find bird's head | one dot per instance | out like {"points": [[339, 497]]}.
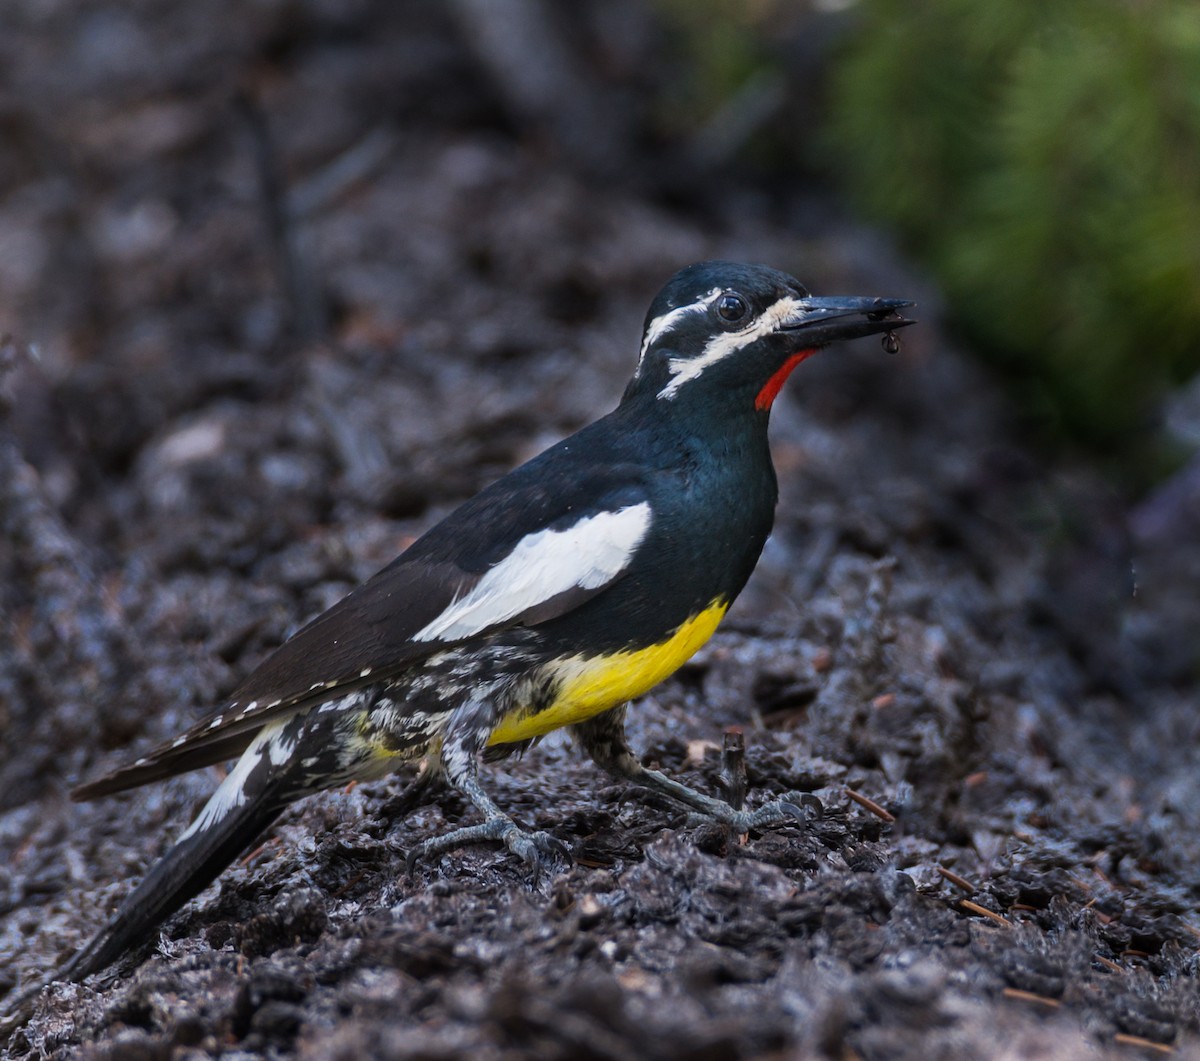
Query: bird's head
{"points": [[733, 332]]}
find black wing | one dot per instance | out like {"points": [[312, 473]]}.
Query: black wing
{"points": [[390, 622]]}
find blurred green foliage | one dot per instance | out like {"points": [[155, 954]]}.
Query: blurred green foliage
{"points": [[1043, 158], [720, 42]]}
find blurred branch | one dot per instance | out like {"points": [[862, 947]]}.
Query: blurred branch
{"points": [[68, 623], [305, 307], [353, 166], [541, 82], [759, 101]]}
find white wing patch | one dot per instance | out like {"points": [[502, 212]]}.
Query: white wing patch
{"points": [[232, 791], [543, 565], [722, 346], [659, 327]]}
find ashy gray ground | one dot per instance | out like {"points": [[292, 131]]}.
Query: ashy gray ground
{"points": [[236, 413]]}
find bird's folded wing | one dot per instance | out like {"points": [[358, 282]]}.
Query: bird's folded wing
{"points": [[520, 553]]}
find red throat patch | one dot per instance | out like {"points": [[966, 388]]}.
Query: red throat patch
{"points": [[774, 385]]}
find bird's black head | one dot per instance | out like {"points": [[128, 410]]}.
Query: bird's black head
{"points": [[732, 332]]}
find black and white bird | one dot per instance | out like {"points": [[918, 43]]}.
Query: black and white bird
{"points": [[561, 592]]}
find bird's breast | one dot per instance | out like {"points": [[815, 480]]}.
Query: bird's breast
{"points": [[585, 686]]}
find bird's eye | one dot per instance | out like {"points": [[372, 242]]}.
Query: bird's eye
{"points": [[732, 308]]}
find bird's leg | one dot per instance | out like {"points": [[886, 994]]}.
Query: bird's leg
{"points": [[465, 735], [603, 738]]}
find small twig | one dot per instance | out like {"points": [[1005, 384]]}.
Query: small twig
{"points": [[983, 911], [345, 888], [1110, 965], [1147, 1044], [733, 766], [1029, 996], [250, 856], [956, 880], [870, 805]]}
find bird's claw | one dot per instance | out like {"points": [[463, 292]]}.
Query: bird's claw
{"points": [[540, 850], [536, 849], [795, 806]]}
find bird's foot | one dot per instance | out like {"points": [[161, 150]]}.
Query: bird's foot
{"points": [[539, 850], [790, 808], [794, 806]]}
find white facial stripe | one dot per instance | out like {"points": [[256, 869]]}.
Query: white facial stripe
{"points": [[543, 565], [231, 793], [659, 327], [722, 346]]}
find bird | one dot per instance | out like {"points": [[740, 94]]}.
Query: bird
{"points": [[559, 593]]}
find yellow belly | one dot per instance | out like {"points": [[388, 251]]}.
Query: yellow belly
{"points": [[589, 686]]}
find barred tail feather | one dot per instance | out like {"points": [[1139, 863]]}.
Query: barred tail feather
{"points": [[247, 802], [185, 871]]}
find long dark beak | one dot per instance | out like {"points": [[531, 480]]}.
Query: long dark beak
{"points": [[822, 320]]}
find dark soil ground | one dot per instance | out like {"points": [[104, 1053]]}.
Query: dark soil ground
{"points": [[221, 410]]}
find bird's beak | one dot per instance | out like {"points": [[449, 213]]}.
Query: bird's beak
{"points": [[817, 321]]}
